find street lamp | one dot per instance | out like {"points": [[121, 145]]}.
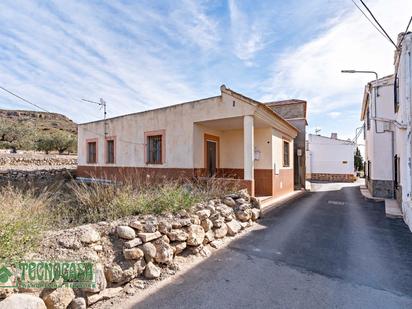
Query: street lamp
{"points": [[366, 72], [376, 92], [356, 71]]}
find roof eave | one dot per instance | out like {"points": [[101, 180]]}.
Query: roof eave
{"points": [[259, 105]]}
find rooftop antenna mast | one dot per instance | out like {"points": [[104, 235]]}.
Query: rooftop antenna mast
{"points": [[102, 103], [358, 132], [317, 130]]}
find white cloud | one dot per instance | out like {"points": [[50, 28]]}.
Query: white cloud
{"points": [[312, 71], [75, 50], [334, 114], [192, 21], [246, 34]]}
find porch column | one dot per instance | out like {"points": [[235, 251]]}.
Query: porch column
{"points": [[248, 147]]}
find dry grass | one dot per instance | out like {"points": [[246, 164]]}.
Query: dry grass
{"points": [[23, 217], [88, 203], [25, 212]]}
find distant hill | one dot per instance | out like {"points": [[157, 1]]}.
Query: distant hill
{"points": [[39, 121]]}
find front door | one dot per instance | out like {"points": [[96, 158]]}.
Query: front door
{"points": [[211, 163]]}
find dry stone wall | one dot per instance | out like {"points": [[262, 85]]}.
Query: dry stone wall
{"points": [[130, 253], [35, 160], [38, 174]]}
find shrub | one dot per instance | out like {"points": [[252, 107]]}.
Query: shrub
{"points": [[23, 218], [169, 197]]}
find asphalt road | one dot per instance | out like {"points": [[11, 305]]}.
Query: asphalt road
{"points": [[329, 249]]}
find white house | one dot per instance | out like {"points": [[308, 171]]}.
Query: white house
{"points": [[378, 115], [329, 158], [402, 106], [387, 114], [229, 136]]}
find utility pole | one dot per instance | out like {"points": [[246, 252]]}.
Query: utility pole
{"points": [[102, 103]]}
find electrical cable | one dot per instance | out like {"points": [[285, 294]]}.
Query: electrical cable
{"points": [[377, 22], [405, 32], [23, 99], [371, 22], [45, 110]]}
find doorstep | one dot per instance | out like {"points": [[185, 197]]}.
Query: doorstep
{"points": [[269, 203], [365, 192], [392, 209]]}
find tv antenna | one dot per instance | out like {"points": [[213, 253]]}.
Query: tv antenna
{"points": [[317, 130], [102, 103]]}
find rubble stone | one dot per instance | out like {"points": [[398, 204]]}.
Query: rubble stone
{"points": [[196, 234], [145, 237], [151, 271], [125, 232]]}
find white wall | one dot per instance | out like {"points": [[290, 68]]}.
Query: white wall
{"points": [[378, 138], [177, 121], [327, 155], [277, 149], [403, 138], [184, 139]]}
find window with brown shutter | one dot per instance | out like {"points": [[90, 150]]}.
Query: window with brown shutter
{"points": [[286, 155], [92, 152], [110, 151], [154, 149]]}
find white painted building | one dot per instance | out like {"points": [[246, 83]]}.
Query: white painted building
{"points": [[402, 126], [229, 136], [378, 116], [387, 114], [329, 158]]}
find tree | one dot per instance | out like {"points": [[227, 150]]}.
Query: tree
{"points": [[358, 160], [64, 142], [45, 143], [15, 136], [60, 141]]}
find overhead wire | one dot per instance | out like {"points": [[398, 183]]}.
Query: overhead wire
{"points": [[25, 100], [405, 32], [371, 22], [45, 110], [377, 22]]}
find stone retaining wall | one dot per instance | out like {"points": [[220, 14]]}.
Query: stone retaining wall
{"points": [[129, 253], [33, 160], [331, 177], [39, 174], [381, 188]]}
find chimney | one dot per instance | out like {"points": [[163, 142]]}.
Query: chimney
{"points": [[334, 135], [400, 36]]}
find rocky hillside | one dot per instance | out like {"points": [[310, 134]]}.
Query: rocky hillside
{"points": [[40, 121]]}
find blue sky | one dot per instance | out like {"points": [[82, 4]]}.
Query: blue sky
{"points": [[140, 55]]}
